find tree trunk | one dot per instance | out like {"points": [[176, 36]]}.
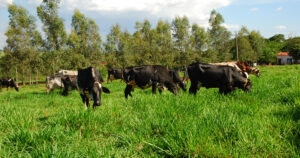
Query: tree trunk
{"points": [[17, 76], [53, 66], [37, 77], [30, 77], [23, 76]]}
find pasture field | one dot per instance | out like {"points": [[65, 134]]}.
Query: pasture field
{"points": [[263, 123]]}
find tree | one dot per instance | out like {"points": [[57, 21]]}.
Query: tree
{"points": [[257, 43], [277, 38], [84, 41], [22, 40], [163, 44], [220, 38], [200, 40], [293, 46], [54, 29], [181, 34]]}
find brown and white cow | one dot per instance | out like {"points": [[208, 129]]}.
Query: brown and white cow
{"points": [[241, 66]]}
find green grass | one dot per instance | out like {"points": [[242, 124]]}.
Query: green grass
{"points": [[264, 123]]}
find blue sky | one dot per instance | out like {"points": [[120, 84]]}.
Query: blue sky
{"points": [[267, 16]]}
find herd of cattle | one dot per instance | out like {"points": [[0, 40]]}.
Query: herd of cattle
{"points": [[227, 77]]}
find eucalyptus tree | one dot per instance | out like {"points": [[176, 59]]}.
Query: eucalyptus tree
{"points": [[220, 38], [54, 29], [163, 48], [85, 41], [181, 35], [22, 40], [142, 45], [200, 41]]}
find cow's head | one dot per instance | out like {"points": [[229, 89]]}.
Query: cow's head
{"points": [[247, 85], [53, 82], [96, 93], [13, 84], [256, 72], [177, 80]]}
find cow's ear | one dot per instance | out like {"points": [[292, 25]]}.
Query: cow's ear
{"points": [[105, 90]]}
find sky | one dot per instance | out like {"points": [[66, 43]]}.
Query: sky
{"points": [[269, 17]]}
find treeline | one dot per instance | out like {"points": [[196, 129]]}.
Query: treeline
{"points": [[175, 44]]}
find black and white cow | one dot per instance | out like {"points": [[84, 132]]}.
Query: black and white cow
{"points": [[89, 84], [226, 78], [53, 82], [69, 83], [113, 74], [8, 82], [146, 76]]}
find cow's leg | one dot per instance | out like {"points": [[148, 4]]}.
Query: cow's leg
{"points": [[159, 90], [83, 99], [153, 88], [128, 91], [194, 87]]}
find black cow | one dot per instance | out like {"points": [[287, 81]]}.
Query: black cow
{"points": [[89, 83], [69, 83], [113, 74], [225, 78], [146, 76], [8, 82]]}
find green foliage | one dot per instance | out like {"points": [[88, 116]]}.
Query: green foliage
{"points": [[54, 29], [219, 38], [263, 123], [293, 46], [84, 41]]}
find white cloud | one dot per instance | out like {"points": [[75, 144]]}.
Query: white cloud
{"points": [[278, 9], [196, 10], [4, 3], [280, 27], [254, 9], [234, 27]]}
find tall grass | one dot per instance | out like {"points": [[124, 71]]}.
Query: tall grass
{"points": [[263, 123]]}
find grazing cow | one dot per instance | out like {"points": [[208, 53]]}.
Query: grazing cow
{"points": [[8, 82], [53, 82], [69, 83], [177, 80], [241, 66], [56, 81], [114, 74], [225, 78], [89, 83], [146, 76], [245, 67]]}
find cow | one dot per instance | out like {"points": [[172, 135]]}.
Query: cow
{"points": [[56, 81], [146, 76], [226, 78], [8, 82], [113, 74], [69, 83], [177, 80], [241, 66], [53, 82], [89, 83], [245, 67]]}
